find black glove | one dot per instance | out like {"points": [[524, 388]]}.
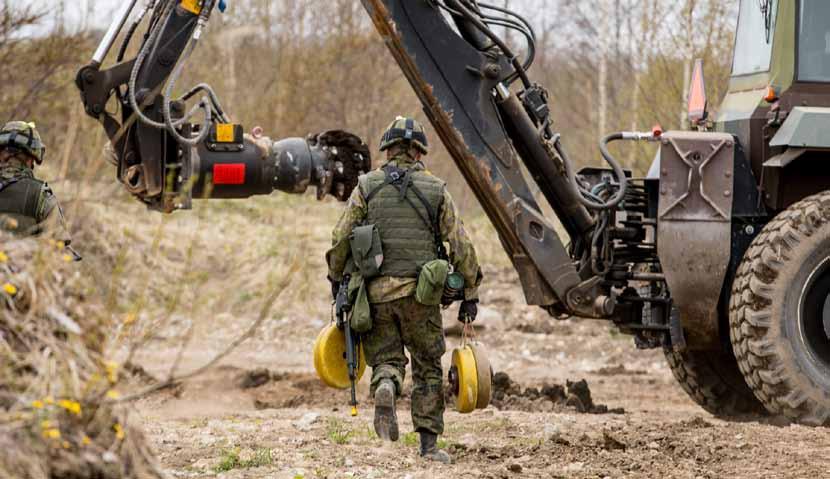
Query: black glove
{"points": [[335, 288], [468, 311]]}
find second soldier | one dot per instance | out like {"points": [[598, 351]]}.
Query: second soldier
{"points": [[27, 205]]}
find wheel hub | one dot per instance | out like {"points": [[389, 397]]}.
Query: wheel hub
{"points": [[825, 314], [815, 314]]}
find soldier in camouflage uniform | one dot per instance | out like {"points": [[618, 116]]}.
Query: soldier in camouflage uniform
{"points": [[27, 205], [409, 241]]}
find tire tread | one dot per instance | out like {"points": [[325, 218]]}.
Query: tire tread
{"points": [[756, 283]]}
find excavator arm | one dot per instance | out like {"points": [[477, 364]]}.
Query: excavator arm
{"points": [[494, 120], [164, 158], [477, 92]]}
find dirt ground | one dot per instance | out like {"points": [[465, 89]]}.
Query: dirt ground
{"points": [[264, 414]]}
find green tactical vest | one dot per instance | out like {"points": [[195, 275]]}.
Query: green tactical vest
{"points": [[24, 202], [408, 242]]}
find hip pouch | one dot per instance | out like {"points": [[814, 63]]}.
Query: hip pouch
{"points": [[431, 281], [367, 251], [361, 318]]}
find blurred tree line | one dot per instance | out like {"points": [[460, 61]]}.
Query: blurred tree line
{"points": [[295, 67]]}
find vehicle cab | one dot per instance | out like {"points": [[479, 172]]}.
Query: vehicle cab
{"points": [[778, 101]]}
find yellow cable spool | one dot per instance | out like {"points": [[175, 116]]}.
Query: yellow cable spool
{"points": [[465, 379], [485, 375], [330, 358]]}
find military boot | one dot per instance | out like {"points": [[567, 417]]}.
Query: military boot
{"points": [[386, 420], [430, 451]]}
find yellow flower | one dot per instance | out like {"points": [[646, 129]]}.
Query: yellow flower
{"points": [[49, 400], [86, 441], [10, 289], [119, 431], [60, 245], [72, 406], [113, 394], [67, 258], [129, 318], [45, 424], [112, 371], [65, 444], [51, 433], [3, 257], [37, 404]]}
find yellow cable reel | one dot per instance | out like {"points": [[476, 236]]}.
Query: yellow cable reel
{"points": [[330, 358], [470, 378], [465, 383], [484, 374]]}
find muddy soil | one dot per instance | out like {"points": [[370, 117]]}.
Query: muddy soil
{"points": [[265, 415]]}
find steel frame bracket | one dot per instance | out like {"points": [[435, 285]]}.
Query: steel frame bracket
{"points": [[694, 227]]}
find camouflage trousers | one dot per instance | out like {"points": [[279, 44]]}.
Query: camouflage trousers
{"points": [[418, 328]]}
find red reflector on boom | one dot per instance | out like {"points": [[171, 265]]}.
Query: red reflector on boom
{"points": [[229, 174]]}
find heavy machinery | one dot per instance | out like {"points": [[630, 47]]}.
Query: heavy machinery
{"points": [[163, 158], [720, 256]]}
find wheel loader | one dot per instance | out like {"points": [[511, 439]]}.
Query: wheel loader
{"points": [[720, 255]]}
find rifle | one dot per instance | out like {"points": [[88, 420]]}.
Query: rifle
{"points": [[342, 308]]}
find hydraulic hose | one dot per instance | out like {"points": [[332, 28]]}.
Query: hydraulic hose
{"points": [[586, 197], [149, 44], [131, 32], [479, 23], [203, 103], [208, 104]]}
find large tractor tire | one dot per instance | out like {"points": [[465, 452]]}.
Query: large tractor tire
{"points": [[712, 379], [780, 313]]}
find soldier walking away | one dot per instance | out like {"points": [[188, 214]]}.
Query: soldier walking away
{"points": [[415, 216], [28, 207]]}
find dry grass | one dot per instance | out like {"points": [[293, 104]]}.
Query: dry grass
{"points": [[67, 329], [148, 285], [56, 379]]}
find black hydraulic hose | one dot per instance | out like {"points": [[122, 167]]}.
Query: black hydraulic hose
{"points": [[489, 20], [531, 46], [512, 14], [619, 172], [478, 23]]}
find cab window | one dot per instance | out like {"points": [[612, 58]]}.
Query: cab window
{"points": [[814, 41], [753, 42]]}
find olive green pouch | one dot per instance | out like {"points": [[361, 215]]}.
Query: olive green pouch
{"points": [[367, 251], [431, 282], [361, 320]]}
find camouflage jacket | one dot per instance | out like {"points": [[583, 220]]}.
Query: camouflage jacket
{"points": [[386, 288], [48, 216]]}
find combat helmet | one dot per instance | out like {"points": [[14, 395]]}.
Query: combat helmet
{"points": [[23, 136], [405, 130]]}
